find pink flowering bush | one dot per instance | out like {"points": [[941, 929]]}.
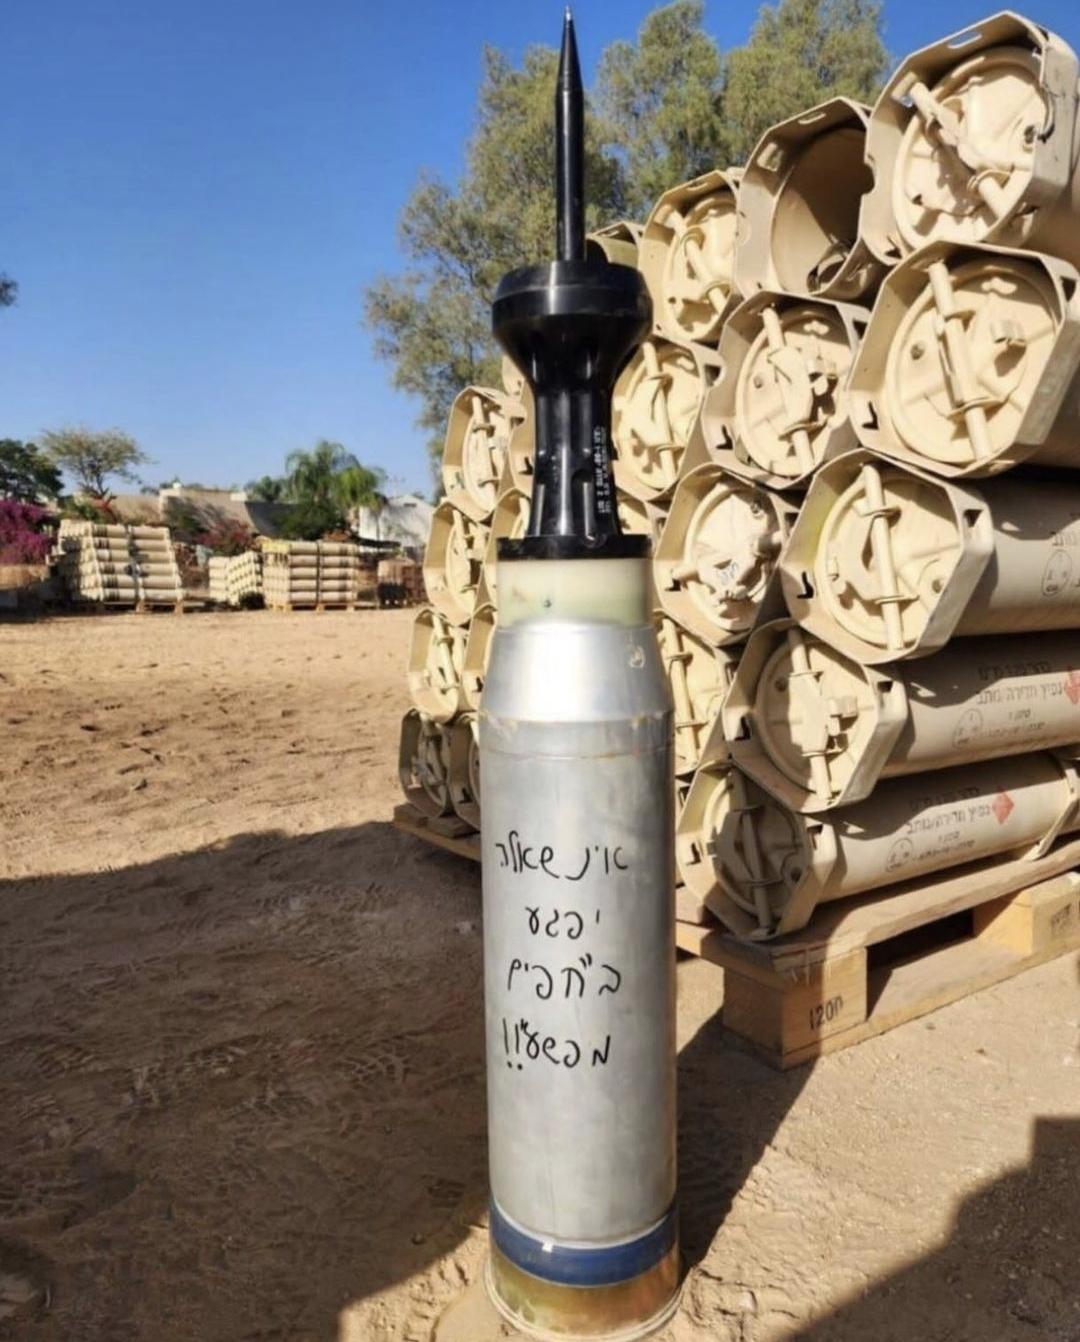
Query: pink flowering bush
{"points": [[226, 537], [22, 540]]}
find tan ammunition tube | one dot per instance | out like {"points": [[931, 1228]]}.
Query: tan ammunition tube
{"points": [[819, 730], [971, 362], [475, 452], [424, 763], [763, 868], [687, 255], [453, 561], [974, 139], [781, 408], [799, 203], [436, 656], [885, 562], [715, 561]]}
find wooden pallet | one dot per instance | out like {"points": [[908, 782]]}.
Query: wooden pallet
{"points": [[313, 605], [448, 832], [865, 965], [91, 606]]}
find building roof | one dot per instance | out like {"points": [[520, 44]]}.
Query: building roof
{"points": [[404, 520], [211, 505]]}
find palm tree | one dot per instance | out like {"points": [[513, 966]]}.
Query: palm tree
{"points": [[357, 487], [310, 476]]}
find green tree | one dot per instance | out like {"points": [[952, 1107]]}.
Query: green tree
{"points": [[311, 519], [91, 456], [9, 290], [310, 475], [359, 487], [800, 53], [268, 488], [433, 323], [659, 100], [667, 107], [675, 106], [26, 474]]}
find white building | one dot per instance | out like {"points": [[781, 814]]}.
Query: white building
{"points": [[404, 519]]}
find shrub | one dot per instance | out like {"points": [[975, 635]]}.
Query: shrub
{"points": [[311, 522], [185, 520], [91, 509], [22, 540], [227, 537]]}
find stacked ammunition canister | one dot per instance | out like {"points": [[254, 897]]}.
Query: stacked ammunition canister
{"points": [[243, 578], [487, 479], [301, 574], [216, 569], [872, 635], [118, 565], [235, 579]]}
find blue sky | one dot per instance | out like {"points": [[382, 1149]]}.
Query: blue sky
{"points": [[195, 195]]}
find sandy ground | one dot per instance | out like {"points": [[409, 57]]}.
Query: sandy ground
{"points": [[241, 1075]]}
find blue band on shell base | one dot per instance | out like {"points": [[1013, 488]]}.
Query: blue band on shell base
{"points": [[580, 1265]]}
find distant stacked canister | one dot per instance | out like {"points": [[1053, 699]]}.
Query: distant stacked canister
{"points": [[117, 565], [243, 577], [297, 575], [217, 568], [854, 435], [235, 580]]}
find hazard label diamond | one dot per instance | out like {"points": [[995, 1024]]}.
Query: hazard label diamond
{"points": [[1002, 807]]}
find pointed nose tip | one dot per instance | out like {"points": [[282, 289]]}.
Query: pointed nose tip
{"points": [[569, 69]]}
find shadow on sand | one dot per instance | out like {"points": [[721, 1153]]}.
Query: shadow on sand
{"points": [[1007, 1272], [242, 1089]]}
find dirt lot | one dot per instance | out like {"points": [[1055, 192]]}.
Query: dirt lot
{"points": [[241, 1074]]}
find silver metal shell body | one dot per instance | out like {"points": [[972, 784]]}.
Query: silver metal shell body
{"points": [[578, 876]]}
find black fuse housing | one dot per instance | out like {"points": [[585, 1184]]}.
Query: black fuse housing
{"points": [[570, 325]]}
